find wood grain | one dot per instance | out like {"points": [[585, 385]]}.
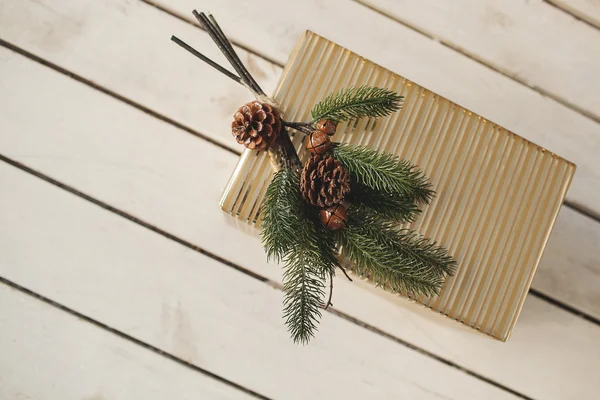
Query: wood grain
{"points": [[531, 41], [161, 76], [193, 307], [48, 354], [173, 180]]}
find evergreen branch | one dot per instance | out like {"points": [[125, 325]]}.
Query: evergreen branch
{"points": [[421, 253], [357, 102], [384, 172], [402, 261], [375, 263], [281, 214], [306, 267], [289, 233], [387, 206], [304, 291]]}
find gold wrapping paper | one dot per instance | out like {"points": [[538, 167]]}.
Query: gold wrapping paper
{"points": [[498, 194]]}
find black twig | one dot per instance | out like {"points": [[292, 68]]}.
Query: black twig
{"points": [[329, 303], [208, 61], [302, 127], [284, 151], [289, 156], [225, 46], [243, 68], [345, 273]]}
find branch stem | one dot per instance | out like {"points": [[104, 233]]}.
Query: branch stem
{"points": [[207, 60], [303, 127], [216, 34], [329, 303], [243, 69], [345, 273], [283, 154]]}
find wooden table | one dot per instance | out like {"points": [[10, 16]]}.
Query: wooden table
{"points": [[121, 279]]}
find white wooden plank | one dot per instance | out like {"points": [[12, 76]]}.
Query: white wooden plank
{"points": [[173, 180], [48, 354], [178, 85], [570, 267], [587, 10], [532, 41], [182, 302], [115, 43]]}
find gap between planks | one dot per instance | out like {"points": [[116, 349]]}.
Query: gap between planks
{"points": [[128, 337], [238, 268], [113, 94], [573, 205], [560, 304], [471, 56], [182, 18], [207, 149], [577, 17], [151, 87]]}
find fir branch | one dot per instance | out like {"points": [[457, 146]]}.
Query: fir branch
{"points": [[357, 102], [281, 220], [289, 233], [304, 291], [419, 253], [306, 267], [384, 172], [402, 261], [387, 206]]}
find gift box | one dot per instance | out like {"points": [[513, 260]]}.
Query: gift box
{"points": [[498, 194]]}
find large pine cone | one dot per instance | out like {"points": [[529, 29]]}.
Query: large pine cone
{"points": [[256, 125], [324, 181]]}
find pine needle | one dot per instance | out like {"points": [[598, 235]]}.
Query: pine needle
{"points": [[281, 215], [289, 234], [387, 206], [356, 103], [401, 261], [304, 290], [384, 172]]}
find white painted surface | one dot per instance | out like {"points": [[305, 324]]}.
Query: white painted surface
{"points": [[162, 175], [587, 10], [531, 41], [197, 309], [203, 311], [156, 73], [427, 62], [48, 354]]}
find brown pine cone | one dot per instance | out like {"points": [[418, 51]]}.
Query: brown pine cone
{"points": [[256, 125], [324, 181]]}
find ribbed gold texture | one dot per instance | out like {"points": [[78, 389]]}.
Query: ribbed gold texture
{"points": [[498, 194]]}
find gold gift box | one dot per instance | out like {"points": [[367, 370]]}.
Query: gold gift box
{"points": [[498, 194]]}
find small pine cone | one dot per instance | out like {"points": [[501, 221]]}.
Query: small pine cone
{"points": [[256, 125], [324, 181]]}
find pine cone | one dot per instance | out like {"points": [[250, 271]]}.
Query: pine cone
{"points": [[256, 125], [324, 181]]}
